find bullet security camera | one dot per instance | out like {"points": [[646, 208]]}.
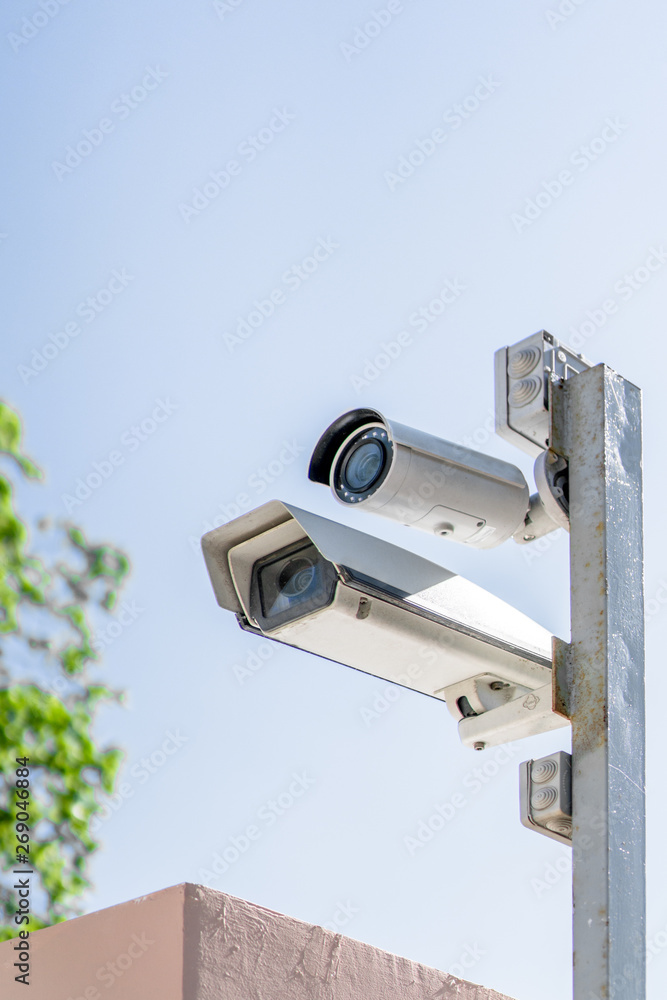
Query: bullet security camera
{"points": [[420, 480], [325, 588]]}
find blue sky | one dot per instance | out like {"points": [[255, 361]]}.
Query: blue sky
{"points": [[170, 170]]}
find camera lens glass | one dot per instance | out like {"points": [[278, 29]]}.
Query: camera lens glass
{"points": [[363, 464], [296, 577], [290, 584]]}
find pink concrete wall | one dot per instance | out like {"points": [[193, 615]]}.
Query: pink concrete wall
{"points": [[131, 950], [193, 943]]}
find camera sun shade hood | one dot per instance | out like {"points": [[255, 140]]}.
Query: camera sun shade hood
{"points": [[397, 616], [429, 587], [341, 545], [333, 437]]}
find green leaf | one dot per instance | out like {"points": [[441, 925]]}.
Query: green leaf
{"points": [[54, 730], [11, 434]]}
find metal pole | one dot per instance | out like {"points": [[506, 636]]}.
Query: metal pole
{"points": [[599, 679]]}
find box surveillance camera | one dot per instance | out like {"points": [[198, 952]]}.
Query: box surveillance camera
{"points": [[328, 589]]}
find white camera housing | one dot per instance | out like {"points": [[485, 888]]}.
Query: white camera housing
{"points": [[323, 587], [420, 480]]}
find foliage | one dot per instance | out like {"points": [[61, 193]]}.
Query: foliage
{"points": [[47, 701]]}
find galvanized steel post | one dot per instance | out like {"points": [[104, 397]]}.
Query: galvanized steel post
{"points": [[599, 679]]}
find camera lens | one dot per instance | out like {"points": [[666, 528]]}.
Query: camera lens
{"points": [[296, 577], [291, 584], [363, 466]]}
